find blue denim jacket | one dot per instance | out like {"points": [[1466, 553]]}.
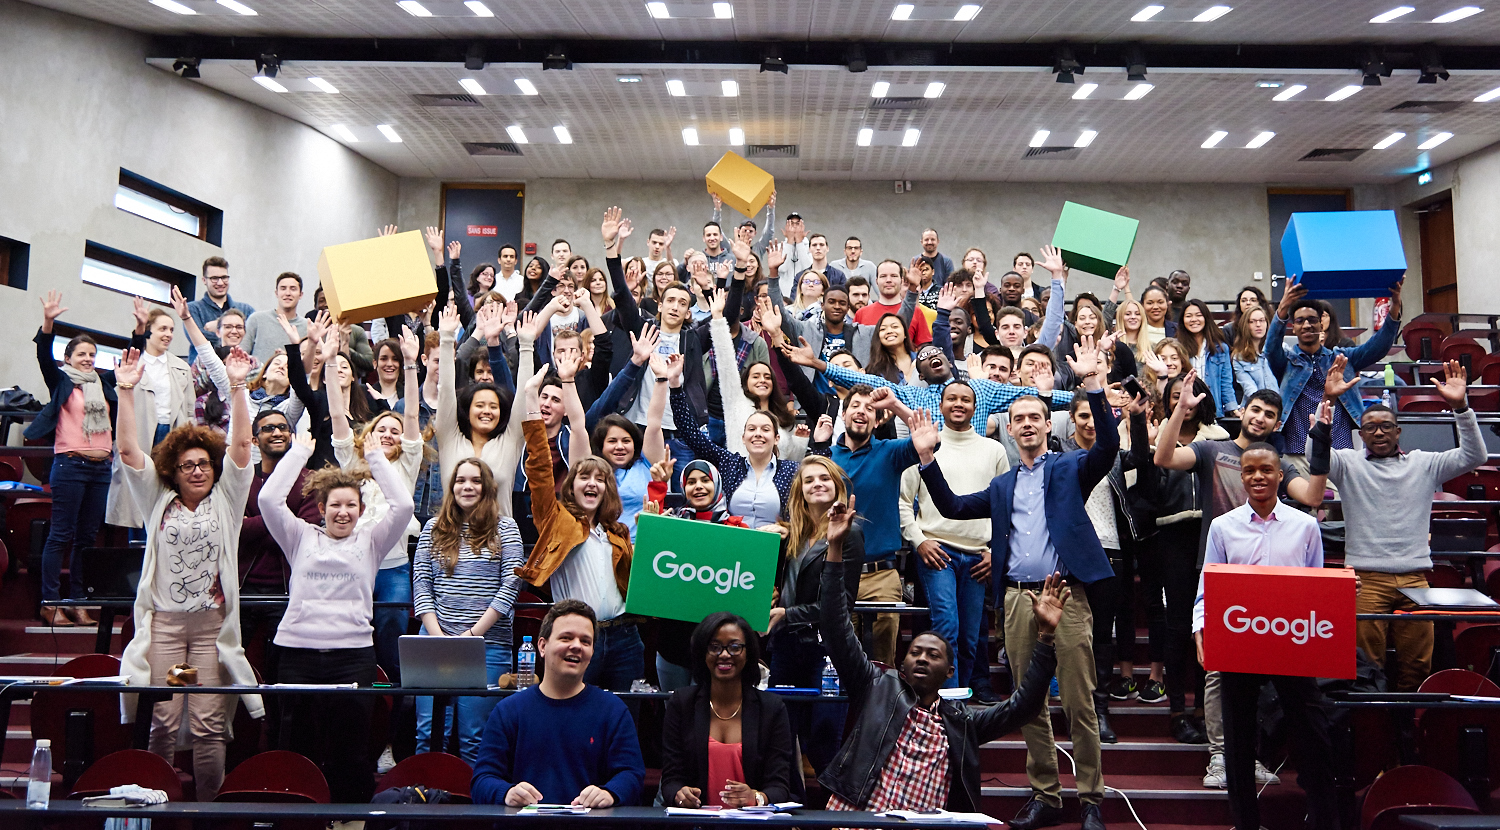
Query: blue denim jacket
{"points": [[1250, 377], [1218, 375], [1294, 366]]}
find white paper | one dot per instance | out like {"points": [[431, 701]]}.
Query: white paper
{"points": [[942, 815]]}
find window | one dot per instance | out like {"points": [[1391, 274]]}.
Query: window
{"points": [[15, 258], [118, 271], [164, 206], [111, 346]]}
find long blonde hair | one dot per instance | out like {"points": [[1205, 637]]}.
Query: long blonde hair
{"points": [[1133, 339], [483, 522], [803, 524]]}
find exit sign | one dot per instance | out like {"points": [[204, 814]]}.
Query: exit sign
{"points": [[1425, 177]]}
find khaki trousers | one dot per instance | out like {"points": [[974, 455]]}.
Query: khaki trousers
{"points": [[1075, 680], [1379, 594], [190, 637], [882, 586]]}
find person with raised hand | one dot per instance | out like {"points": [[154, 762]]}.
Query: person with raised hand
{"points": [[210, 383], [166, 397], [482, 420], [194, 484]]}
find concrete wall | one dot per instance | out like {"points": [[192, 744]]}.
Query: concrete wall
{"points": [[1474, 183], [78, 102]]}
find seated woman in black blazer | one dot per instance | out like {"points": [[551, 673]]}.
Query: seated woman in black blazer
{"points": [[725, 742]]}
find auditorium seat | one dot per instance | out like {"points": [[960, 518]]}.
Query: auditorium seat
{"points": [[10, 468], [1476, 647], [1440, 741], [1463, 349], [1413, 789], [277, 776], [1415, 333], [1487, 373], [128, 766], [50, 708], [431, 769], [1421, 402]]}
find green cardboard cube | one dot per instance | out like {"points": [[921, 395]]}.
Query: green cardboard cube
{"points": [[1094, 240]]}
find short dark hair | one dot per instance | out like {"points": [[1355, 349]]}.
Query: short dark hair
{"points": [[712, 223], [678, 286], [947, 646], [822, 236], [614, 419], [1027, 399], [960, 276], [855, 239], [1010, 311], [79, 340], [656, 232], [288, 275], [264, 414], [925, 230], [1207, 411], [574, 607], [998, 351], [1269, 397], [1305, 302], [215, 262], [1377, 407], [961, 384], [501, 252], [1022, 254], [1037, 348], [466, 399], [563, 241], [1262, 446], [857, 361], [698, 648], [864, 390], [856, 280]]}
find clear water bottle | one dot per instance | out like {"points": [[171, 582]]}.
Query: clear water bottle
{"points": [[526, 664], [1388, 399], [39, 783], [830, 679]]}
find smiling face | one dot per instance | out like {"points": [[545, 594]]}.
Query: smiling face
{"points": [[958, 325], [759, 435], [1260, 472], [997, 368], [288, 294], [231, 329], [160, 333], [698, 488], [194, 474], [859, 417], [1030, 424], [534, 270], [664, 275], [619, 448], [1012, 286], [1193, 320], [1086, 320], [388, 429], [929, 242], [713, 237], [819, 488], [729, 663], [926, 665], [1157, 305], [345, 372], [1172, 357], [468, 485], [888, 281], [598, 283], [835, 305], [1011, 330], [486, 277], [932, 364], [1083, 426], [892, 332], [578, 270], [957, 406], [276, 370], [273, 436], [216, 282], [1259, 420], [759, 382], [387, 363], [567, 652], [589, 487], [1131, 317], [484, 412], [82, 357], [1248, 300], [341, 511]]}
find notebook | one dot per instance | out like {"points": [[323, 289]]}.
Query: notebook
{"points": [[1457, 599]]}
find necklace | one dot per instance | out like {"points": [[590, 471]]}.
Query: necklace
{"points": [[721, 717]]}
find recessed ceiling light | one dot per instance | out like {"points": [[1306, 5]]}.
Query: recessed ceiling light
{"points": [[517, 135], [389, 132], [1389, 140], [1457, 14], [472, 86], [1084, 91], [1213, 140], [1212, 13], [173, 6], [676, 89], [902, 11], [326, 86], [345, 133], [1289, 93], [1344, 92], [563, 136], [1260, 140], [238, 7], [879, 89], [1086, 138], [413, 8], [913, 135], [1386, 17], [479, 9], [1147, 13], [269, 83], [1488, 96], [866, 135], [1269, 83], [1138, 92], [1040, 138], [628, 79], [736, 137], [723, 11], [730, 89], [1434, 141], [967, 11], [526, 87], [690, 136], [935, 90], [658, 10]]}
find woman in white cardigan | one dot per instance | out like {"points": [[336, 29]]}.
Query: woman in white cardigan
{"points": [[165, 398], [187, 603], [481, 420]]}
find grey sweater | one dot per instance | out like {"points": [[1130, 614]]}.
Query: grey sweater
{"points": [[263, 335], [1388, 501]]}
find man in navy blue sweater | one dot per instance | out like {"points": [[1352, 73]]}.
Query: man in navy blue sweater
{"points": [[560, 741]]}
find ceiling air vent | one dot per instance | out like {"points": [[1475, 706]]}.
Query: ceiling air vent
{"points": [[1333, 154], [771, 151], [427, 100], [492, 148], [912, 57], [1426, 106], [1053, 153], [900, 103]]}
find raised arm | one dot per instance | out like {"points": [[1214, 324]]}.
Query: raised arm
{"points": [[445, 423], [629, 377], [1053, 322], [567, 372], [52, 308], [856, 672], [237, 368], [1169, 456], [391, 527], [1375, 349], [411, 408], [1028, 699], [127, 441], [284, 525], [668, 371], [737, 407], [338, 410]]}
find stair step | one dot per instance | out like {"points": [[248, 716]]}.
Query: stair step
{"points": [[1163, 756], [1156, 798]]}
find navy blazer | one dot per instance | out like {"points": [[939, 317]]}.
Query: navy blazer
{"points": [[1070, 478], [44, 426]]}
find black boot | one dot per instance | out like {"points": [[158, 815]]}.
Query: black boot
{"points": [[1101, 712]]}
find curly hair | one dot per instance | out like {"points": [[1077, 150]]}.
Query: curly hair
{"points": [[166, 455], [330, 478]]}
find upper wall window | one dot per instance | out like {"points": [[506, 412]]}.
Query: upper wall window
{"points": [[129, 274], [15, 257], [111, 347], [164, 206]]}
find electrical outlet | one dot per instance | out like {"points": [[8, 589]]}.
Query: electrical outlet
{"points": [[900, 187], [908, 185], [1260, 275]]}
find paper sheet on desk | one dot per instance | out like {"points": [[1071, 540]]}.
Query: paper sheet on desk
{"points": [[310, 685], [711, 811], [1476, 698], [553, 809], [942, 815]]}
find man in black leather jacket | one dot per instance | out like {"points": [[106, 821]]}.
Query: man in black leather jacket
{"points": [[873, 769]]}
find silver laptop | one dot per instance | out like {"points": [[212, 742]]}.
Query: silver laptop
{"points": [[442, 662], [1458, 599]]}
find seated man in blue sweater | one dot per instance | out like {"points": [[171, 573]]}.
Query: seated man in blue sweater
{"points": [[560, 741]]}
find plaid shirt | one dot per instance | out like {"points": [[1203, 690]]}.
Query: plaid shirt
{"points": [[991, 397], [915, 776], [748, 339]]}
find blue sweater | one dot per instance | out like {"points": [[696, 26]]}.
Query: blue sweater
{"points": [[875, 479], [560, 747]]}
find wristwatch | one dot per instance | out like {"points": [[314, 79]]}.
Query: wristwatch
{"points": [[760, 799]]}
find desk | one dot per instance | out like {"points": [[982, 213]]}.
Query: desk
{"points": [[1453, 822], [15, 811]]}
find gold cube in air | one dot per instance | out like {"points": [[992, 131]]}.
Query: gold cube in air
{"points": [[379, 277], [740, 184]]}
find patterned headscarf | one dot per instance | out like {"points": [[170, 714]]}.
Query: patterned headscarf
{"points": [[718, 508]]}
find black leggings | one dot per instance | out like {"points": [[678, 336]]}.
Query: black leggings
{"points": [[332, 730], [1137, 558], [1174, 558]]}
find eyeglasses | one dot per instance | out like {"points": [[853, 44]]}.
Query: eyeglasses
{"points": [[266, 429], [189, 466], [1302, 322], [1379, 428], [734, 649], [224, 278]]}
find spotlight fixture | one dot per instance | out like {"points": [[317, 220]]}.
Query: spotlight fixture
{"points": [[268, 64], [557, 58], [736, 137], [771, 60], [1374, 67], [187, 66], [1064, 65], [1135, 63], [854, 58], [866, 135], [1432, 66], [474, 57]]}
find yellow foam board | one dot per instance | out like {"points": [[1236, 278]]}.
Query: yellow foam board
{"points": [[378, 277], [740, 184]]}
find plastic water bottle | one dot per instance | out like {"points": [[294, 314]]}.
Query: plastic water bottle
{"points": [[526, 664], [39, 783], [830, 679], [1387, 397]]}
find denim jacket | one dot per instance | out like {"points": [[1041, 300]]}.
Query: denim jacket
{"points": [[1294, 366], [1218, 374]]}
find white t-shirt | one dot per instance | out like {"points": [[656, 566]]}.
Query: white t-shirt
{"points": [[588, 574], [671, 343], [571, 321], [159, 380], [188, 551]]}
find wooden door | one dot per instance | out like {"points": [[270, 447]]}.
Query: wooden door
{"points": [[1439, 262]]}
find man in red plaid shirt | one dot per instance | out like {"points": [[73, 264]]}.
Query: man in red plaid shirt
{"points": [[897, 754]]}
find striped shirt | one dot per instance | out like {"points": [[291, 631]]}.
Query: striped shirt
{"points": [[478, 582]]}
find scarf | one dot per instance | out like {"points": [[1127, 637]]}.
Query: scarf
{"points": [[95, 408], [718, 509]]}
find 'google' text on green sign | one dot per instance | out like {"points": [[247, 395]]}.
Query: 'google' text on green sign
{"points": [[685, 570]]}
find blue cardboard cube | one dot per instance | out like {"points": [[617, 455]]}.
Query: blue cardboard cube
{"points": [[1344, 253]]}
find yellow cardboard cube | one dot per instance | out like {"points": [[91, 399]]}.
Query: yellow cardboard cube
{"points": [[740, 184], [378, 277]]}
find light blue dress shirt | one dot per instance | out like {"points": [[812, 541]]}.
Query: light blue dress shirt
{"points": [[1288, 538], [1032, 557]]}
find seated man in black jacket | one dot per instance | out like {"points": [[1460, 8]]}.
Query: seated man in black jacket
{"points": [[908, 749]]}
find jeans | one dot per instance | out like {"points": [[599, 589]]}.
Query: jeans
{"points": [[1176, 560], [391, 585], [332, 731], [79, 491], [472, 712], [956, 604], [818, 726], [671, 676], [619, 658], [716, 430]]}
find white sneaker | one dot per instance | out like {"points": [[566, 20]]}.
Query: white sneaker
{"points": [[1264, 776], [1216, 778], [387, 761]]}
